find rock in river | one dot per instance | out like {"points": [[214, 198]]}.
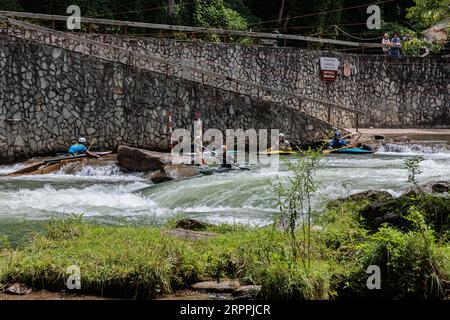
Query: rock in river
{"points": [[18, 289], [142, 160], [173, 172]]}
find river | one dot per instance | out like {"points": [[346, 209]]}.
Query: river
{"points": [[109, 196]]}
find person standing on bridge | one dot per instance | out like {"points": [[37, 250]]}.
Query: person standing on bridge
{"points": [[386, 44], [395, 46]]}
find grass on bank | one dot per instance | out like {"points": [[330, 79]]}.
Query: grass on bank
{"points": [[144, 262]]}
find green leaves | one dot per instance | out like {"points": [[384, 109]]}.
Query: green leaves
{"points": [[426, 13], [413, 166]]}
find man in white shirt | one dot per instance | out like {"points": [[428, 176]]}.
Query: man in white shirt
{"points": [[386, 44]]}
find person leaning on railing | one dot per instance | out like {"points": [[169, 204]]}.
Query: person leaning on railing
{"points": [[386, 44], [395, 46]]}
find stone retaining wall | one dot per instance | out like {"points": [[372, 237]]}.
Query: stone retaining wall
{"points": [[395, 93], [49, 96]]}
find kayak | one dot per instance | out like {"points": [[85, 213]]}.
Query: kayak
{"points": [[210, 171], [349, 151], [280, 152], [53, 164]]}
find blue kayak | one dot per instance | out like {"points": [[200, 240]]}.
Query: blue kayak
{"points": [[352, 151]]}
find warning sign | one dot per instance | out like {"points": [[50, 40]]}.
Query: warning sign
{"points": [[328, 68]]}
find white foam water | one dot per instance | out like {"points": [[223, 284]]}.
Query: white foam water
{"points": [[238, 197]]}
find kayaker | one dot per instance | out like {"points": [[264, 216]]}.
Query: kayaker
{"points": [[227, 160], [337, 142], [283, 144], [80, 148]]}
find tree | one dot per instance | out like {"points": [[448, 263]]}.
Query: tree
{"points": [[10, 5], [427, 13]]}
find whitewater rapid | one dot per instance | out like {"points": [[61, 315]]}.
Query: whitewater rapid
{"points": [[246, 197]]}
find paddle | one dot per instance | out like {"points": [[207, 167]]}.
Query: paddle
{"points": [[93, 141]]}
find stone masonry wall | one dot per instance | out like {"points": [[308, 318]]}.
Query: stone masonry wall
{"points": [[400, 93], [49, 96]]}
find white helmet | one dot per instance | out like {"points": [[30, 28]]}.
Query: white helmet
{"points": [[82, 140], [281, 135]]}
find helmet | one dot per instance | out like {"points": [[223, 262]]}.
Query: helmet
{"points": [[281, 135], [82, 140]]}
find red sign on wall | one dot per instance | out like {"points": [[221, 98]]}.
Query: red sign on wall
{"points": [[328, 75]]}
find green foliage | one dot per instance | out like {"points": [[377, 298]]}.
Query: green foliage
{"points": [[413, 166], [214, 14], [413, 47], [427, 13], [343, 226], [4, 242], [413, 264], [294, 200], [10, 5]]}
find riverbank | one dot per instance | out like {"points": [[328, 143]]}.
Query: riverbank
{"points": [[152, 262]]}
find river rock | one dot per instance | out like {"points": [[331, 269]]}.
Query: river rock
{"points": [[371, 195], [18, 289], [430, 187], [225, 286], [189, 234], [180, 171], [135, 159], [250, 292], [191, 224], [173, 172], [76, 167], [159, 177]]}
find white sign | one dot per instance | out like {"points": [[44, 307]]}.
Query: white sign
{"points": [[331, 64]]}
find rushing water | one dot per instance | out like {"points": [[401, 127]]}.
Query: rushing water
{"points": [[109, 196]]}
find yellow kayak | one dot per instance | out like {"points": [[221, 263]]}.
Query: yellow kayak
{"points": [[280, 152]]}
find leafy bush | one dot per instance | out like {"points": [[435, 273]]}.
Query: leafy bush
{"points": [[413, 264]]}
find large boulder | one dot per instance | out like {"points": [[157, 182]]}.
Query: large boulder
{"points": [[135, 159], [173, 172]]}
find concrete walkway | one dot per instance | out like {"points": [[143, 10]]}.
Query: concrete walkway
{"points": [[403, 132]]}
